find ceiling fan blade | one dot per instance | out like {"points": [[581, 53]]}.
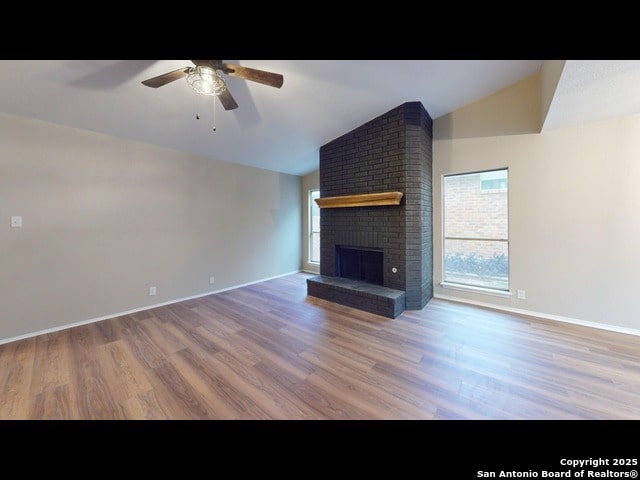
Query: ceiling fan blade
{"points": [[260, 76], [168, 77], [227, 100]]}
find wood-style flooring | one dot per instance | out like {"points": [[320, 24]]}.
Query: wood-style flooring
{"points": [[268, 351]]}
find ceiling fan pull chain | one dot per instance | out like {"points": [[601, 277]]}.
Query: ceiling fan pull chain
{"points": [[199, 107], [214, 113]]}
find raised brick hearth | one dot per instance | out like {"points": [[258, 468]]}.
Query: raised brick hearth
{"points": [[390, 153], [365, 296]]}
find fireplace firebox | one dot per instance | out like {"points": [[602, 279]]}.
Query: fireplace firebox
{"points": [[359, 264]]}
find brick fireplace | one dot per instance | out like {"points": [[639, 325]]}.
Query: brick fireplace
{"points": [[378, 258]]}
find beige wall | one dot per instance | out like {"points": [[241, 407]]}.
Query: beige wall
{"points": [[573, 215], [311, 181], [512, 111], [105, 219]]}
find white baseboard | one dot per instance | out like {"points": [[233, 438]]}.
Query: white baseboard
{"points": [[546, 316], [128, 312]]}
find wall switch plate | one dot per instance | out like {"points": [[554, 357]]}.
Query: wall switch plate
{"points": [[152, 290], [212, 280], [521, 294], [16, 221]]}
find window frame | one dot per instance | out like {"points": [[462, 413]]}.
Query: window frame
{"points": [[473, 287], [311, 203]]}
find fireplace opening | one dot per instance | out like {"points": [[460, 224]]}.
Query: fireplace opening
{"points": [[359, 264]]}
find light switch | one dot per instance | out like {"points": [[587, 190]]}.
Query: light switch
{"points": [[16, 221]]}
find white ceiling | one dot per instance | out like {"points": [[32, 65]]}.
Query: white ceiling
{"points": [[277, 129], [594, 90]]}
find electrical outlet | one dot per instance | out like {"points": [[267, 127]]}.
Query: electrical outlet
{"points": [[16, 221], [522, 295], [212, 280], [152, 290]]}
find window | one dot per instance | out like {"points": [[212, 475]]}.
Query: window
{"points": [[495, 181], [314, 227], [476, 229]]}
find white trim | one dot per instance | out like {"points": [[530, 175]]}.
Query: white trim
{"points": [[128, 312], [471, 288], [310, 231], [547, 316], [309, 271]]}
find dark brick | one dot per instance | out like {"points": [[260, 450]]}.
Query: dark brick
{"points": [[391, 152], [384, 301]]}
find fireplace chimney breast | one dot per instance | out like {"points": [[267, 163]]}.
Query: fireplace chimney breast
{"points": [[392, 152]]}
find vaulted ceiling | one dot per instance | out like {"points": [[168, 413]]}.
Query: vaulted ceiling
{"points": [[282, 129]]}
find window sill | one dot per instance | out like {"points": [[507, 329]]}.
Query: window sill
{"points": [[468, 288]]}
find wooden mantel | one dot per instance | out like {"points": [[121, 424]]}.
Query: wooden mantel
{"points": [[361, 200]]}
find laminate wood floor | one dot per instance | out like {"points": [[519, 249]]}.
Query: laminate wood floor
{"points": [[268, 351]]}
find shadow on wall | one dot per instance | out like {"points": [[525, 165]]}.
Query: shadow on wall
{"points": [[514, 110]]}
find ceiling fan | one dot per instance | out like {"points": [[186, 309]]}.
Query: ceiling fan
{"points": [[204, 77]]}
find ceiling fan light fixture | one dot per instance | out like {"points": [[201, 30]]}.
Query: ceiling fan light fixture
{"points": [[206, 81]]}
